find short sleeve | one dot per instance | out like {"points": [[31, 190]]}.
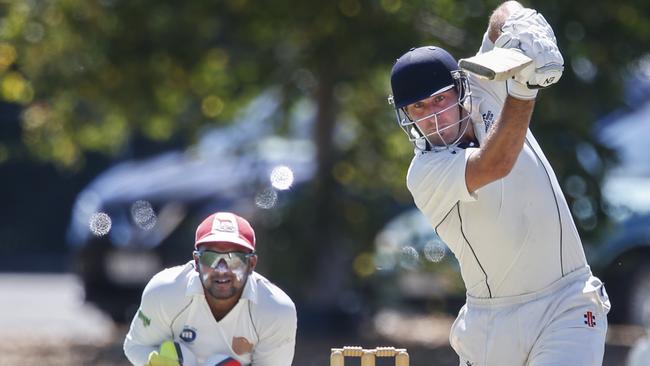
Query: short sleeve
{"points": [[149, 327], [437, 181], [277, 338]]}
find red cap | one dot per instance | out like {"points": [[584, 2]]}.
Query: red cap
{"points": [[225, 227]]}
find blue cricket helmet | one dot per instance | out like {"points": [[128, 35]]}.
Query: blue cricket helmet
{"points": [[420, 73]]}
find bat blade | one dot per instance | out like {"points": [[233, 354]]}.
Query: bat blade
{"points": [[498, 64]]}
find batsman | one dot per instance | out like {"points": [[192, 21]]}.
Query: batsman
{"points": [[487, 189]]}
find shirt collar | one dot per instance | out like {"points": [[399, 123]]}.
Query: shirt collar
{"points": [[467, 144], [250, 290], [194, 286]]}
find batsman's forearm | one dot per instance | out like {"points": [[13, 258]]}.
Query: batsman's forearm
{"points": [[499, 152], [506, 138]]}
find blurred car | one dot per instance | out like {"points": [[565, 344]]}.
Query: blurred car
{"points": [[639, 354], [421, 268], [622, 261], [623, 258], [139, 217], [425, 270]]}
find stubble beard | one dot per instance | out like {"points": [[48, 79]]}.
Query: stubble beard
{"points": [[217, 291], [221, 294]]}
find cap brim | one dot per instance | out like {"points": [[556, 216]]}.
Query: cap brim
{"points": [[220, 238]]}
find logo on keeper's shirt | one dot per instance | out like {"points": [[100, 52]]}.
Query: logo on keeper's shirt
{"points": [[590, 319], [188, 334], [241, 345], [145, 319]]}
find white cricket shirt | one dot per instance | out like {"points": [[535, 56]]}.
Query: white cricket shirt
{"points": [[511, 237], [174, 307]]}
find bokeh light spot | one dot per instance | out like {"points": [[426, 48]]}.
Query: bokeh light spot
{"points": [[349, 8], [100, 223], [364, 265], [409, 258], [34, 32], [391, 6], [7, 55], [212, 106], [435, 251], [266, 198], [281, 177], [16, 89], [143, 214]]}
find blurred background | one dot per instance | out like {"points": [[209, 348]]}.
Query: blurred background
{"points": [[125, 123]]}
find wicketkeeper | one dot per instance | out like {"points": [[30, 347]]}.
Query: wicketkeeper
{"points": [[215, 310], [489, 192]]}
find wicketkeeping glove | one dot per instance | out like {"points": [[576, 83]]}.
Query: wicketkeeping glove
{"points": [[155, 359], [171, 354], [528, 31]]}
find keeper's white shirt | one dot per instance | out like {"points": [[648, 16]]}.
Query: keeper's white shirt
{"points": [[511, 237], [174, 307]]}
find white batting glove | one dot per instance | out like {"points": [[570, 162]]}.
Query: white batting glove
{"points": [[527, 18], [520, 90], [529, 32]]}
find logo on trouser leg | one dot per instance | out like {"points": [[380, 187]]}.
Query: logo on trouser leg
{"points": [[590, 319]]}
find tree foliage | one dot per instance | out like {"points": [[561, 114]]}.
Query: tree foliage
{"points": [[92, 74]]}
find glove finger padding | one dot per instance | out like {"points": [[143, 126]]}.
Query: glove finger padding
{"points": [[547, 60], [155, 359], [172, 354], [507, 40], [525, 19], [522, 15], [221, 360], [528, 31]]}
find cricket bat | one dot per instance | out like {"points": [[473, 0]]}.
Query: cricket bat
{"points": [[498, 64]]}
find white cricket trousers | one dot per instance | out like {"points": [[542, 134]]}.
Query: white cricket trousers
{"points": [[563, 324]]}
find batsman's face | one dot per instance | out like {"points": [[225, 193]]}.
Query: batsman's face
{"points": [[437, 117], [224, 269]]}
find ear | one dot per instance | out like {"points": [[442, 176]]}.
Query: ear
{"points": [[196, 262], [252, 262]]}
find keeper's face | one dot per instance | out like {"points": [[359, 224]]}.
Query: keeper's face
{"points": [[437, 117], [224, 268]]}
